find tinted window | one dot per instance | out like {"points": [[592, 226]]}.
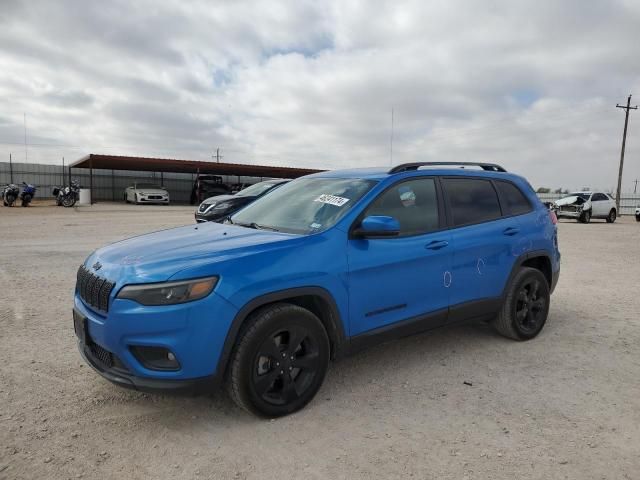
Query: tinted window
{"points": [[471, 200], [515, 202], [414, 204], [597, 197]]}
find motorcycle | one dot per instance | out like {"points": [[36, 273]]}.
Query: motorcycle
{"points": [[10, 194], [28, 192], [67, 196]]}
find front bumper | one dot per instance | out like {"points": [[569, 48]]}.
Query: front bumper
{"points": [[194, 332], [209, 217], [152, 198], [568, 214], [124, 379]]}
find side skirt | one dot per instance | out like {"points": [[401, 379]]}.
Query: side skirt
{"points": [[470, 311]]}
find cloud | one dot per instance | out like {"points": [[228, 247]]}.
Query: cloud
{"points": [[529, 85]]}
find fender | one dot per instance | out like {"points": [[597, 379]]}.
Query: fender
{"points": [[333, 324], [522, 259]]}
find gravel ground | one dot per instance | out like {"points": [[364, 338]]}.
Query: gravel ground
{"points": [[565, 405]]}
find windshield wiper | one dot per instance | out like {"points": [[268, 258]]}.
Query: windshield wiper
{"points": [[256, 226]]}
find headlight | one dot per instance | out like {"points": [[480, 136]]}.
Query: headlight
{"points": [[222, 206], [169, 293]]}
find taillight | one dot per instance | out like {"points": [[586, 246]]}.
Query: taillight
{"points": [[553, 217]]}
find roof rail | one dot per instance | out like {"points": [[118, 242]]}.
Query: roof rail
{"points": [[407, 167]]}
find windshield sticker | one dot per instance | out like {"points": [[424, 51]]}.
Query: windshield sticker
{"points": [[331, 200]]}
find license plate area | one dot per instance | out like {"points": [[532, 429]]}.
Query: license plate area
{"points": [[80, 326]]}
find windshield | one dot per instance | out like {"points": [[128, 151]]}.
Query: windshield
{"points": [[582, 195], [147, 185], [305, 206], [255, 189]]}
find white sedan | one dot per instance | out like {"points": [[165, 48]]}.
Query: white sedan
{"points": [[583, 206], [139, 193]]}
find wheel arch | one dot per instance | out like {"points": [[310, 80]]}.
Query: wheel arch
{"points": [[540, 260], [315, 299]]}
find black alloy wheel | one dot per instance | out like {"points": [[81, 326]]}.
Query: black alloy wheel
{"points": [[526, 305], [285, 366], [530, 307], [279, 362]]}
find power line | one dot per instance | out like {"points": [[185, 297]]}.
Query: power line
{"points": [[624, 141]]}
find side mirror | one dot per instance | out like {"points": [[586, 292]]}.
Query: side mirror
{"points": [[377, 226]]}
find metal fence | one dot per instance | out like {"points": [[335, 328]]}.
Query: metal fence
{"points": [[108, 185]]}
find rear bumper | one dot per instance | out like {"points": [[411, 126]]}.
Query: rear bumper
{"points": [[122, 378], [555, 276]]}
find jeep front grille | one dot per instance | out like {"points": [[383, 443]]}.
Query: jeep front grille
{"points": [[94, 290]]}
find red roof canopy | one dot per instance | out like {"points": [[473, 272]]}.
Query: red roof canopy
{"points": [[116, 162]]}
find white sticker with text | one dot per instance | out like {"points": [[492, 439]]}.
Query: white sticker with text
{"points": [[331, 200]]}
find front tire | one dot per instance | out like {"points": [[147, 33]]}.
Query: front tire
{"points": [[526, 306], [585, 217], [69, 201], [612, 216], [279, 362]]}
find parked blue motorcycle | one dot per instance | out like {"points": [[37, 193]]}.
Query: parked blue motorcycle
{"points": [[28, 192]]}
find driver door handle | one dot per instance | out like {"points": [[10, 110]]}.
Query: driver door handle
{"points": [[436, 244]]}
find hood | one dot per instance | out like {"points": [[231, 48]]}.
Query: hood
{"points": [[570, 201], [156, 257], [219, 199]]}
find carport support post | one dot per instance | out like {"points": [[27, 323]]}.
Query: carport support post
{"points": [[113, 187], [90, 181]]}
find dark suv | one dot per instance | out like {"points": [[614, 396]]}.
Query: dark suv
{"points": [[320, 267]]}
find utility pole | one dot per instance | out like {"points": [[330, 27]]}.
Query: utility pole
{"points": [[635, 186], [10, 169], [25, 138], [218, 156], [624, 141]]}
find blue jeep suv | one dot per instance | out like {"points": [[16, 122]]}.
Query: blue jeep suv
{"points": [[321, 267]]}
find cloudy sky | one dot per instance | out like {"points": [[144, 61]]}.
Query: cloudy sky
{"points": [[530, 85]]}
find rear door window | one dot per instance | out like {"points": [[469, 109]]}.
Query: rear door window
{"points": [[471, 200], [514, 201]]}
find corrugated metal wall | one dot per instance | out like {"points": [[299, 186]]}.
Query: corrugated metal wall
{"points": [[108, 185]]}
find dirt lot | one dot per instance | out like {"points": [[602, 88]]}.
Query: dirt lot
{"points": [[565, 405]]}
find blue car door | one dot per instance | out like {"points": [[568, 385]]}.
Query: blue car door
{"points": [[486, 242], [403, 277]]}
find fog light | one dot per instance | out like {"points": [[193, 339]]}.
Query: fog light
{"points": [[155, 358]]}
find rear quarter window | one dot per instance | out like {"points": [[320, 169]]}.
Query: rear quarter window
{"points": [[514, 201], [471, 200]]}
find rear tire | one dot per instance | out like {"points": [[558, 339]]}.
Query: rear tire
{"points": [[279, 361], [526, 306], [612, 216]]}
